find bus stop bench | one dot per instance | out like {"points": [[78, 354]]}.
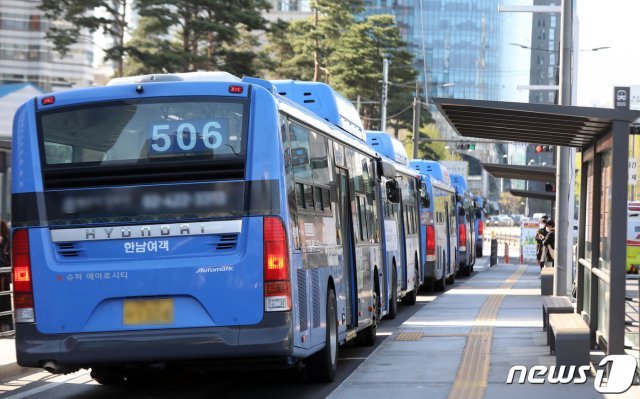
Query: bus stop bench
{"points": [[554, 304], [546, 280], [569, 339]]}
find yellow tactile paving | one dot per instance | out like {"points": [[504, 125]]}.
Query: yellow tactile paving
{"points": [[473, 372], [409, 336]]}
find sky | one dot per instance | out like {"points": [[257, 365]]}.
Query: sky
{"points": [[613, 23], [601, 23]]}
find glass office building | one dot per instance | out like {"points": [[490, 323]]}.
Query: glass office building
{"points": [[460, 40]]}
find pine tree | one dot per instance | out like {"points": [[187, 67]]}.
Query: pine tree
{"points": [[356, 67], [202, 34], [70, 17]]}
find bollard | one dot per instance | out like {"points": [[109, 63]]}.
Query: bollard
{"points": [[493, 259], [521, 255], [506, 252]]}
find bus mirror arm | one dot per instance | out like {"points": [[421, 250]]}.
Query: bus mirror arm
{"points": [[388, 170]]}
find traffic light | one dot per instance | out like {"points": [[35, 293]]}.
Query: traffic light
{"points": [[465, 146], [543, 148], [550, 187]]}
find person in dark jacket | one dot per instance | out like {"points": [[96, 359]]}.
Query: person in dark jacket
{"points": [[549, 243], [540, 236]]}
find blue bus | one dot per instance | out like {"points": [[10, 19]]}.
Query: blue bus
{"points": [[401, 222], [156, 214], [438, 226], [479, 224], [466, 225]]}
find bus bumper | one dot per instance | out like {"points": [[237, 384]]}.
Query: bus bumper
{"points": [[271, 338], [430, 270]]}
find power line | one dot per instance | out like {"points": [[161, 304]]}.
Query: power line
{"points": [[394, 115]]}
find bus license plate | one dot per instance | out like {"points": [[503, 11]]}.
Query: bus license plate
{"points": [[147, 311]]}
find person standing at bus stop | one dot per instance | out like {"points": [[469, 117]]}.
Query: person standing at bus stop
{"points": [[540, 236]]}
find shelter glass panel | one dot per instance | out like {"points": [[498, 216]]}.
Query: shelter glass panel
{"points": [[605, 214], [586, 303], [589, 217], [604, 301]]}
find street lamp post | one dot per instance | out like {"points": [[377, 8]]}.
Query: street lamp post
{"points": [[385, 85]]}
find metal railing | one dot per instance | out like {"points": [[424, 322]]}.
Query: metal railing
{"points": [[7, 326]]}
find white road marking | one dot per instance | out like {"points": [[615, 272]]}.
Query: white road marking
{"points": [[46, 387]]}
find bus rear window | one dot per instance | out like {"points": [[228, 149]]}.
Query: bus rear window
{"points": [[138, 132]]}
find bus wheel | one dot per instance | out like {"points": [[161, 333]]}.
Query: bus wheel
{"points": [[321, 367], [367, 337], [451, 279], [412, 296], [107, 376], [393, 301]]}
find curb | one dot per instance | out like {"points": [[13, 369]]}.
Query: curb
{"points": [[11, 370]]}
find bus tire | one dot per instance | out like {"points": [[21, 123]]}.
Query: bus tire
{"points": [[107, 376], [411, 297], [429, 285], [393, 301], [367, 337], [438, 285], [321, 366], [451, 279]]}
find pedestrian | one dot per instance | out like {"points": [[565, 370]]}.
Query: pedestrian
{"points": [[5, 260], [549, 243], [540, 236]]}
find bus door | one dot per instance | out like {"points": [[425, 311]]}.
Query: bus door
{"points": [[448, 230], [402, 236], [345, 198]]}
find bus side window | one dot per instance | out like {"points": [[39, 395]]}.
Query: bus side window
{"points": [[292, 188]]}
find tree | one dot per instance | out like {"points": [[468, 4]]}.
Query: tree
{"points": [[337, 15], [510, 204], [70, 17], [151, 51], [432, 150], [356, 69], [290, 50], [202, 34]]}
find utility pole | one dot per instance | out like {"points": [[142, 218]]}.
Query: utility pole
{"points": [[385, 85], [416, 120], [564, 180]]}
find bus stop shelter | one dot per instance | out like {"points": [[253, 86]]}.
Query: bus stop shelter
{"points": [[602, 135], [543, 174]]}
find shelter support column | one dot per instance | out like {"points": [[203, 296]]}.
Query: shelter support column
{"points": [[618, 232]]}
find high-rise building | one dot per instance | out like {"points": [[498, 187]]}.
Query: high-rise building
{"points": [[545, 60], [27, 57], [459, 39]]}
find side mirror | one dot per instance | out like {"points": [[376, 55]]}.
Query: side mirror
{"points": [[393, 191], [425, 199]]}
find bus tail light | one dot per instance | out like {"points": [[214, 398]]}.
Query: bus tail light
{"points": [[431, 241], [462, 234], [22, 281], [277, 282], [480, 227]]}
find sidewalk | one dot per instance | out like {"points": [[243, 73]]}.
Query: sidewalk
{"points": [[8, 366], [463, 344]]}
